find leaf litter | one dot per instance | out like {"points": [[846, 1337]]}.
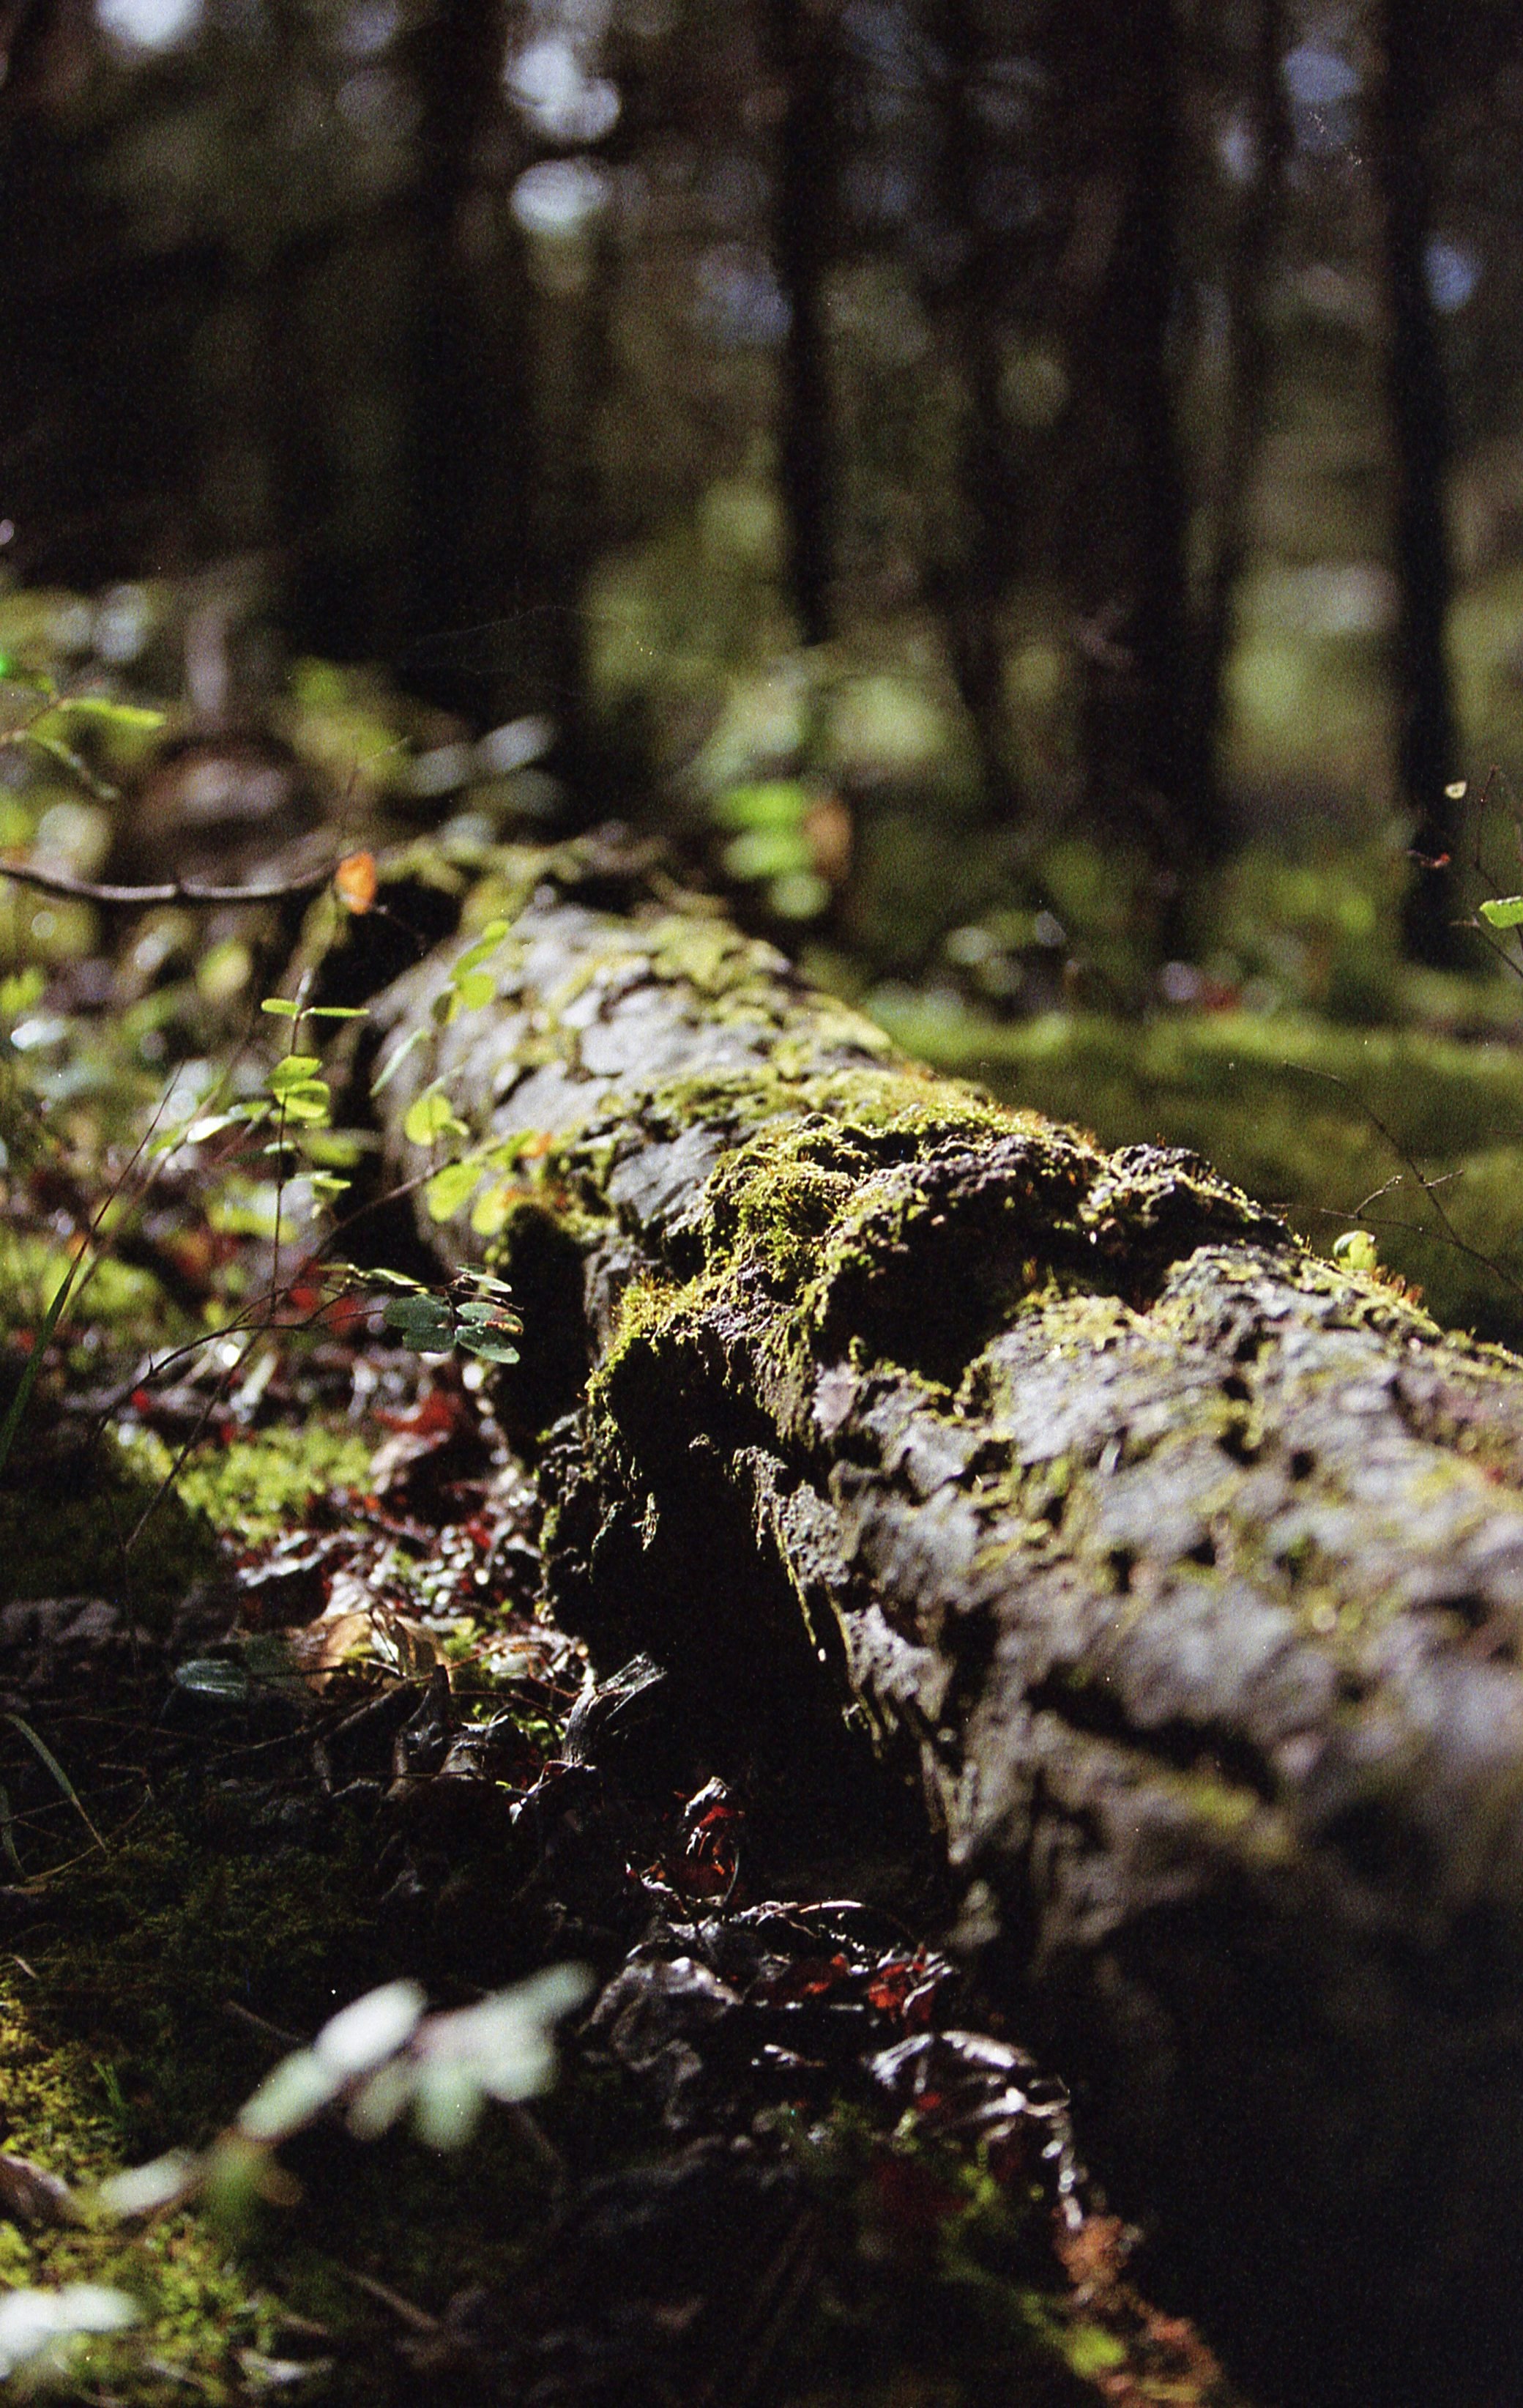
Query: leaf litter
{"points": [[792, 2157]]}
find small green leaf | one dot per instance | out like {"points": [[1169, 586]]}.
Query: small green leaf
{"points": [[377, 2103], [768, 852], [141, 2191], [485, 946], [337, 1012], [1357, 1251], [366, 2033], [327, 1187], [451, 1188], [308, 1100], [415, 1037], [37, 2327], [294, 1070], [431, 1116], [131, 715], [19, 991], [772, 804], [279, 1009], [475, 989], [487, 1344], [1504, 911], [447, 2099], [421, 1322], [492, 1209], [288, 2098], [482, 1313], [334, 1149]]}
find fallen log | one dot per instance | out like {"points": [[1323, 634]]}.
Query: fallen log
{"points": [[1184, 1568]]}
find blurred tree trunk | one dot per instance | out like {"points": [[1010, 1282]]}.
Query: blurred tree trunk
{"points": [[970, 588], [1179, 1570], [1118, 507], [1252, 248], [801, 36], [571, 377], [468, 404], [1427, 744], [1142, 775]]}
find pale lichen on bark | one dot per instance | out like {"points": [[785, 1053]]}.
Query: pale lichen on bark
{"points": [[1185, 1569]]}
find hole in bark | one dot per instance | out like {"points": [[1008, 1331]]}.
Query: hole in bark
{"points": [[1470, 1612], [943, 1269], [1204, 1552], [1380, 1849], [543, 1268], [1123, 1564], [1303, 1463], [1236, 1388], [1201, 1748], [1238, 1442]]}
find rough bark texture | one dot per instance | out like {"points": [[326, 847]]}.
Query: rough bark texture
{"points": [[1186, 1570]]}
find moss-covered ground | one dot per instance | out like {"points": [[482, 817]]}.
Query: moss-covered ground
{"points": [[186, 1899]]}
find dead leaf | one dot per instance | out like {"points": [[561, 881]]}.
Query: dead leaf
{"points": [[30, 2195], [355, 883]]}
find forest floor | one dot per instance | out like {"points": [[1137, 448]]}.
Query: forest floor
{"points": [[286, 1726], [283, 1725]]}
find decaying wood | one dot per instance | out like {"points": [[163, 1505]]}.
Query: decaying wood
{"points": [[1185, 1568]]}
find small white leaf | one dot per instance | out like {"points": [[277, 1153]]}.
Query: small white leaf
{"points": [[388, 2094], [447, 2103], [508, 2042], [288, 2098], [31, 2322], [143, 2188], [366, 2033]]}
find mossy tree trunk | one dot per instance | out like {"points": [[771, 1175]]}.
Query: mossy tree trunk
{"points": [[1184, 1571]]}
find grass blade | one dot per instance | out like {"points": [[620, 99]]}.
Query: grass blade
{"points": [[8, 1832], [40, 1748]]}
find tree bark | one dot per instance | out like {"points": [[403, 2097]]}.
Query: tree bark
{"points": [[1183, 1571]]}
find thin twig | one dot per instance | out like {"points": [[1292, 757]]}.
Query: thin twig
{"points": [[262, 2025], [1430, 1186], [174, 889], [417, 2319]]}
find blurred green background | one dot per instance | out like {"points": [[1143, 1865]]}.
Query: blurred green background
{"points": [[1027, 497]]}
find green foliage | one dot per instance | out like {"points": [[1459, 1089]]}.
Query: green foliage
{"points": [[431, 1116], [1357, 1251], [476, 1317]]}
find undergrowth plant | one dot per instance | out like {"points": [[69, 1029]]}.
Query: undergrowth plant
{"points": [[380, 2060]]}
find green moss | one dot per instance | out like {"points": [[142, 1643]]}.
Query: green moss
{"points": [[116, 2042], [254, 1486], [68, 1526]]}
